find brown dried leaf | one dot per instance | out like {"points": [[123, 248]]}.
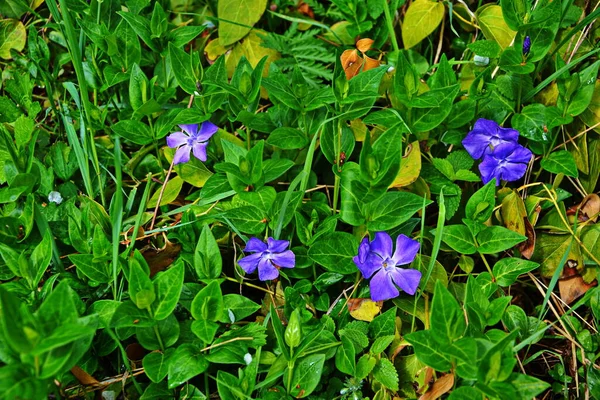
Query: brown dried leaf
{"points": [[439, 387], [160, 259], [364, 45], [83, 377], [135, 352], [370, 63], [351, 62], [527, 247], [573, 287]]}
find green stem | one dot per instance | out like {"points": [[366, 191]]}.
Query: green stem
{"points": [[390, 25]]}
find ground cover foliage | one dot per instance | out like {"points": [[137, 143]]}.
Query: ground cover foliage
{"points": [[243, 199]]}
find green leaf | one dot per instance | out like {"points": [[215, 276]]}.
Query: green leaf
{"points": [[491, 20], [17, 323], [364, 366], [183, 66], [12, 36], [94, 270], [169, 194], [141, 290], [208, 303], [381, 343], [560, 162], [185, 363], [307, 375], [345, 357], [515, 12], [485, 48], [168, 285], [248, 219], [429, 351], [461, 114], [459, 238], [237, 308], [237, 17], [205, 330], [421, 19], [386, 374], [138, 87], [447, 318], [512, 60], [528, 386], [383, 325], [531, 122], [495, 239], [481, 205], [156, 365], [334, 252], [392, 209], [134, 131], [141, 26], [287, 138], [207, 256], [507, 270], [40, 259], [583, 96]]}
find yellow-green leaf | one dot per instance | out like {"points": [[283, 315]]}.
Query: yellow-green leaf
{"points": [[170, 194], [237, 17], [422, 17], [490, 19], [193, 172], [12, 36]]}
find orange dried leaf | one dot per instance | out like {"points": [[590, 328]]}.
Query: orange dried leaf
{"points": [[364, 45], [370, 63], [439, 388], [351, 62]]}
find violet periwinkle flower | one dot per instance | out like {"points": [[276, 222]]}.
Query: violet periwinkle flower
{"points": [[268, 258], [503, 156], [375, 259], [508, 161], [191, 139], [486, 135], [526, 45]]}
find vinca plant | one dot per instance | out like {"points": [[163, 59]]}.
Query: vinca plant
{"points": [[345, 199]]}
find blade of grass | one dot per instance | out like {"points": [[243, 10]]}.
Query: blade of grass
{"points": [[116, 215], [285, 203]]}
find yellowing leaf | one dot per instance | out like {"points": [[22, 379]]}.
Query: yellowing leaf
{"points": [[12, 36], [422, 17], [410, 166], [237, 17], [193, 172], [490, 19], [250, 48], [169, 195], [364, 309], [591, 116], [339, 33]]}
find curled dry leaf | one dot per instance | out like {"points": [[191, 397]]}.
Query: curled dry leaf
{"points": [[588, 209], [441, 386], [83, 377], [351, 63], [527, 247], [160, 259], [364, 45]]}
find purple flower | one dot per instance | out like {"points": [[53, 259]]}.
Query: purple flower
{"points": [[268, 258], [526, 45], [191, 140], [376, 258], [508, 161], [486, 135]]}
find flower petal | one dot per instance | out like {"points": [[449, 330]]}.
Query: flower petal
{"points": [[407, 279], [177, 139], [182, 155], [513, 172], [266, 270], [371, 264], [382, 245], [489, 169], [520, 155], [207, 129], [508, 134], [249, 263], [382, 287], [190, 129], [200, 151], [286, 259], [486, 125], [406, 250], [363, 250], [476, 143], [255, 245], [277, 246]]}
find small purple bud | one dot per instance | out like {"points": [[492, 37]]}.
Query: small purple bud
{"points": [[526, 45]]}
